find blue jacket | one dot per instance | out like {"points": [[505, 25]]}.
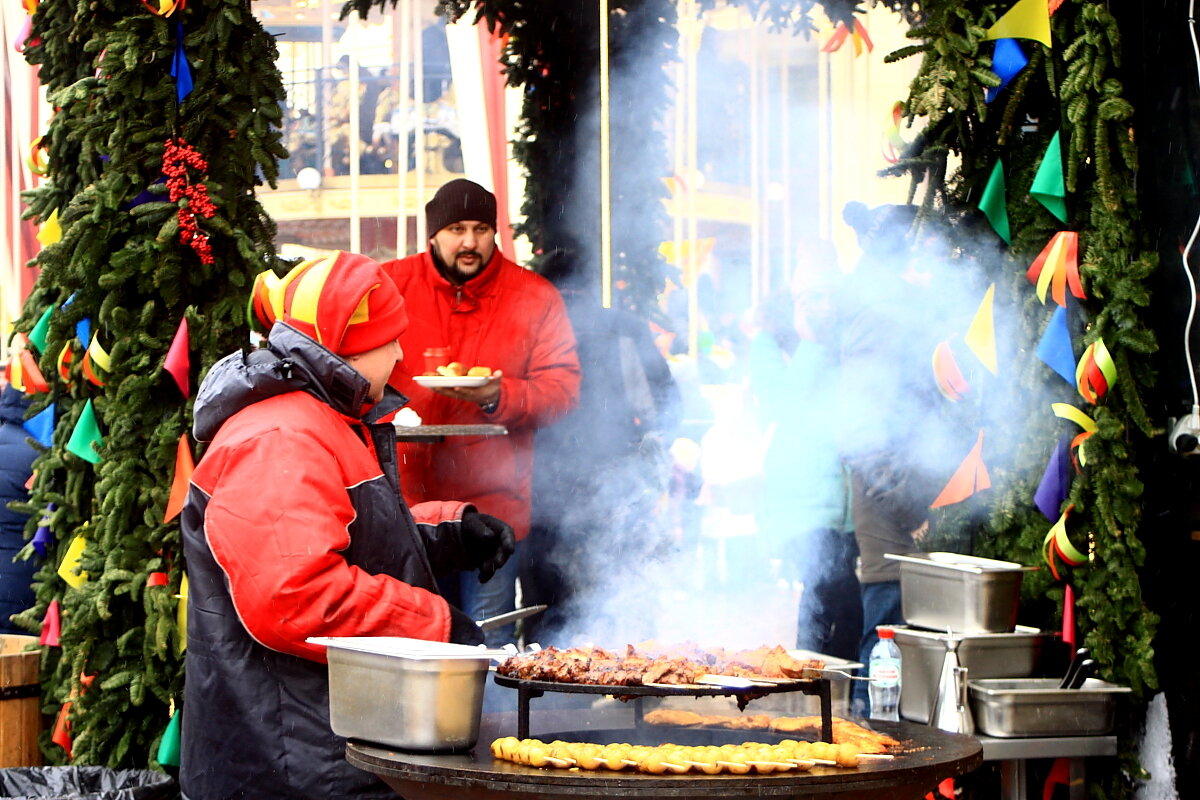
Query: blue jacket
{"points": [[16, 465]]}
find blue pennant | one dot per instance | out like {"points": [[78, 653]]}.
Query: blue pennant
{"points": [[41, 426], [1007, 60], [1055, 347], [180, 70], [83, 331]]}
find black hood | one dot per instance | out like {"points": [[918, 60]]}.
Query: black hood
{"points": [[291, 362]]}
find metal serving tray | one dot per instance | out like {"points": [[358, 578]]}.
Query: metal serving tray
{"points": [[959, 593], [1019, 707], [985, 655]]}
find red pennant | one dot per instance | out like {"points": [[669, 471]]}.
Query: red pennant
{"points": [[51, 626], [62, 729], [184, 467], [176, 362], [1068, 631], [34, 382], [1060, 774], [157, 579]]}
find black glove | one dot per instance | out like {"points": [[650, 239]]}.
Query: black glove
{"points": [[487, 543], [463, 629]]}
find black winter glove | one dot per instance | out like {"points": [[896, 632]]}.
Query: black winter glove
{"points": [[463, 629], [487, 543]]}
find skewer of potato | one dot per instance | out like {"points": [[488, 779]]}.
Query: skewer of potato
{"points": [[740, 759]]}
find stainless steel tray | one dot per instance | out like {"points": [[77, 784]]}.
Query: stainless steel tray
{"points": [[959, 593], [1020, 707]]}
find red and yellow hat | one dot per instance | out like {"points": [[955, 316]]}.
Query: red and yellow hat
{"points": [[344, 301]]}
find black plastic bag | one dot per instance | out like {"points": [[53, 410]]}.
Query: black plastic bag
{"points": [[85, 783]]}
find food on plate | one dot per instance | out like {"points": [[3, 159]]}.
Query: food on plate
{"points": [[734, 759], [844, 731], [457, 369], [642, 665], [479, 372]]}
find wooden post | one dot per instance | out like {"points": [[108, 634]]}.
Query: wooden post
{"points": [[20, 703]]}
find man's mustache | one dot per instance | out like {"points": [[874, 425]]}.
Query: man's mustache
{"points": [[462, 253]]}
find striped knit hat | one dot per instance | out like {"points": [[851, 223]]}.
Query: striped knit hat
{"points": [[345, 302]]}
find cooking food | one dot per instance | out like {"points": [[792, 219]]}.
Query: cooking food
{"points": [[643, 664], [844, 731], [456, 369], [736, 759]]}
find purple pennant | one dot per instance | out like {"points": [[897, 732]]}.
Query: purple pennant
{"points": [[1007, 60], [1052, 491], [1055, 347], [43, 538]]}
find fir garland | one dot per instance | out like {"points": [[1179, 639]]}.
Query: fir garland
{"points": [[125, 270]]}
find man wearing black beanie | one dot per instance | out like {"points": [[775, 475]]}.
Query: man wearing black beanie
{"points": [[472, 306]]}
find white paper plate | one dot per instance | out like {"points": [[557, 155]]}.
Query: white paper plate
{"points": [[448, 381]]}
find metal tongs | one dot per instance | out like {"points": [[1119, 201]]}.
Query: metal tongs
{"points": [[1079, 670], [510, 616]]}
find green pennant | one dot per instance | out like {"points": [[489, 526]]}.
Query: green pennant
{"points": [[993, 204], [168, 746], [86, 439], [37, 336], [1048, 187]]}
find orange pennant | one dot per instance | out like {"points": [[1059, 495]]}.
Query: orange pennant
{"points": [[949, 377], [970, 477], [31, 375], [1057, 267], [184, 466], [62, 729]]}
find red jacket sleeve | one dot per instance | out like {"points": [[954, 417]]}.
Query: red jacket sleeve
{"points": [[278, 540]]}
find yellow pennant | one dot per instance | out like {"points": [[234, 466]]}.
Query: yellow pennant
{"points": [[51, 231], [69, 570], [981, 336]]}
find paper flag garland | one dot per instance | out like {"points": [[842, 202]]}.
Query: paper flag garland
{"points": [[61, 735], [994, 201], [1057, 545], [1028, 19], [177, 363], [1096, 372], [1008, 59], [168, 746], [950, 380], [1068, 628], [65, 357], [840, 33], [1070, 412], [37, 160], [184, 467], [51, 231], [69, 570], [29, 378], [83, 331], [181, 71], [970, 477], [893, 144], [1055, 346], [981, 335], [37, 336], [1052, 490], [42, 537], [181, 614], [51, 625], [41, 426], [1048, 187], [95, 354], [1057, 268], [85, 440]]}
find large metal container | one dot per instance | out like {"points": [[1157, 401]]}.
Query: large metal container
{"points": [[1010, 708], [985, 655], [406, 693], [954, 592]]}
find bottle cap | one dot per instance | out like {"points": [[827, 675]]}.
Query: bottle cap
{"points": [[885, 632]]}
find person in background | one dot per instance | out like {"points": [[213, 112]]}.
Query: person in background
{"points": [[887, 399], [600, 471], [805, 515], [294, 527], [485, 311], [16, 465]]}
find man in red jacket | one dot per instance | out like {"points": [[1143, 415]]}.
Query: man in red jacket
{"points": [[464, 296]]}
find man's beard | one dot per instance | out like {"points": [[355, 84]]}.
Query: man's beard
{"points": [[451, 272]]}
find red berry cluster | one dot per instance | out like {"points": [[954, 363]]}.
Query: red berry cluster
{"points": [[177, 158]]}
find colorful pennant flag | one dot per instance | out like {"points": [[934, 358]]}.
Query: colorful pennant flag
{"points": [[181, 71], [1068, 628], [184, 467], [1008, 59], [37, 160], [169, 745], [28, 376], [1096, 372], [949, 378], [177, 362], [43, 538], [69, 569], [51, 625], [1028, 19], [41, 426], [65, 357], [1070, 412], [858, 35], [893, 144], [994, 202], [85, 440], [970, 477], [1052, 490], [61, 735], [97, 355], [181, 614], [1057, 545], [1048, 186], [83, 331], [981, 335], [37, 336], [1055, 346], [1057, 268], [51, 231]]}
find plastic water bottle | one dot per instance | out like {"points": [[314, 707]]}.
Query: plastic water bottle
{"points": [[884, 672]]}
